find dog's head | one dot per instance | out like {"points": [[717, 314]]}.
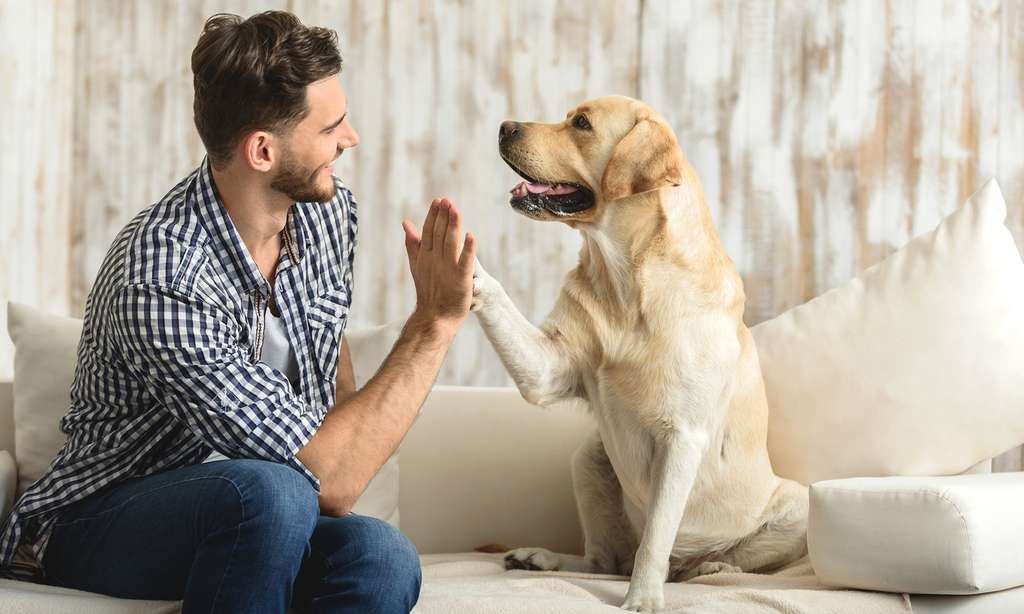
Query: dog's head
{"points": [[605, 150]]}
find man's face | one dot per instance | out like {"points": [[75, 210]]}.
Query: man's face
{"points": [[308, 151]]}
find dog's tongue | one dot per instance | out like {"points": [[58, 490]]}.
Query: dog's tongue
{"points": [[526, 187]]}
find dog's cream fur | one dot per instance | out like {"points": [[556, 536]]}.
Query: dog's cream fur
{"points": [[675, 481]]}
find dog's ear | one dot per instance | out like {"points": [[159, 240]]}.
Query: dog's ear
{"points": [[647, 158]]}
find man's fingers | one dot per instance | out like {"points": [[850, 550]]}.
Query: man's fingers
{"points": [[451, 238], [412, 240], [427, 240], [468, 256], [441, 224], [410, 231]]}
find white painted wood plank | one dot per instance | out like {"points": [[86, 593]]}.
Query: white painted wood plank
{"points": [[36, 66]]}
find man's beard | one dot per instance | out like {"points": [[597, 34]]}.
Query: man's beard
{"points": [[301, 184]]}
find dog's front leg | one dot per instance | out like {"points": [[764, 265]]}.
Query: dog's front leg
{"points": [[537, 362], [677, 456]]}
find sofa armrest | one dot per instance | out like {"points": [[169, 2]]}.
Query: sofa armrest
{"points": [[943, 535], [482, 466], [8, 483]]}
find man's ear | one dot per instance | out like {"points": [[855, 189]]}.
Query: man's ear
{"points": [[647, 158], [258, 150]]}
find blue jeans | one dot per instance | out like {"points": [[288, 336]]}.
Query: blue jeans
{"points": [[231, 536]]}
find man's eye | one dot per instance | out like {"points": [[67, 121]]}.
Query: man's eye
{"points": [[580, 122]]}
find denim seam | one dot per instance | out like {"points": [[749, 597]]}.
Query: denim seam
{"points": [[149, 492], [227, 568], [234, 546]]}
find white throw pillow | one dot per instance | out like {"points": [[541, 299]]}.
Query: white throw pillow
{"points": [[915, 367], [368, 346], [46, 349]]}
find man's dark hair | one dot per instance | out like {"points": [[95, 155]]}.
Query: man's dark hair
{"points": [[252, 74]]}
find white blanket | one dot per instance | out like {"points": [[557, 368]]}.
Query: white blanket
{"points": [[474, 583]]}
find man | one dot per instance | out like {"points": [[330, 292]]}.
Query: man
{"points": [[216, 443]]}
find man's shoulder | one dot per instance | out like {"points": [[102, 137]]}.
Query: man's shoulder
{"points": [[165, 243]]}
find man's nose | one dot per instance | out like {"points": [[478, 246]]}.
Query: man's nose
{"points": [[509, 130], [347, 136]]}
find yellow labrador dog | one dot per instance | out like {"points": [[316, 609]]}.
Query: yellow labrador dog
{"points": [[675, 482]]}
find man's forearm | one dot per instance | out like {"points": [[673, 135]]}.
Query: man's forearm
{"points": [[345, 382], [362, 431]]}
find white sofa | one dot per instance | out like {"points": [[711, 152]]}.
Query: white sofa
{"points": [[914, 368], [480, 466]]}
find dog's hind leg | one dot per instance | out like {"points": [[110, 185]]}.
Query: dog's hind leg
{"points": [[537, 361], [609, 540], [780, 539]]}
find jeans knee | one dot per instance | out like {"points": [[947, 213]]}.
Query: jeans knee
{"points": [[276, 499], [395, 560], [401, 557], [384, 559]]}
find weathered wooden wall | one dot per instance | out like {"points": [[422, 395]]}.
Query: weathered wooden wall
{"points": [[826, 133], [36, 79]]}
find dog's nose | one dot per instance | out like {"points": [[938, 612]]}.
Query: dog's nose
{"points": [[508, 130]]}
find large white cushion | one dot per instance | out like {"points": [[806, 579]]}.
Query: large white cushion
{"points": [[916, 367], [950, 535], [45, 354]]}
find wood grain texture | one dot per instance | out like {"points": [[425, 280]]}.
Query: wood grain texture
{"points": [[36, 70], [826, 134]]}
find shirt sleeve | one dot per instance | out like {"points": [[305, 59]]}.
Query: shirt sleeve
{"points": [[189, 357]]}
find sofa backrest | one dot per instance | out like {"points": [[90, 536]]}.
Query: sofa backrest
{"points": [[482, 466]]}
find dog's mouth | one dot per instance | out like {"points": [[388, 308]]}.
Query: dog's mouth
{"points": [[559, 197]]}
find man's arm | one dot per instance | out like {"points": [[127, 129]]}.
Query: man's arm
{"points": [[345, 384], [363, 430]]}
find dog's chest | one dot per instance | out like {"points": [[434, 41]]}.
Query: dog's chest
{"points": [[630, 449], [644, 381], [632, 396], [637, 370]]}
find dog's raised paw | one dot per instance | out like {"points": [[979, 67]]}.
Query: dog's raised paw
{"points": [[485, 287], [532, 559]]}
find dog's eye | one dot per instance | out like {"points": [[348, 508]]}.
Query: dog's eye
{"points": [[580, 122]]}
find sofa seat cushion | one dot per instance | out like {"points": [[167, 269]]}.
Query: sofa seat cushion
{"points": [[952, 535], [474, 583], [28, 598]]}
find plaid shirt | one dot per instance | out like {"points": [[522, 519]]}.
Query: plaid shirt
{"points": [[168, 363]]}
